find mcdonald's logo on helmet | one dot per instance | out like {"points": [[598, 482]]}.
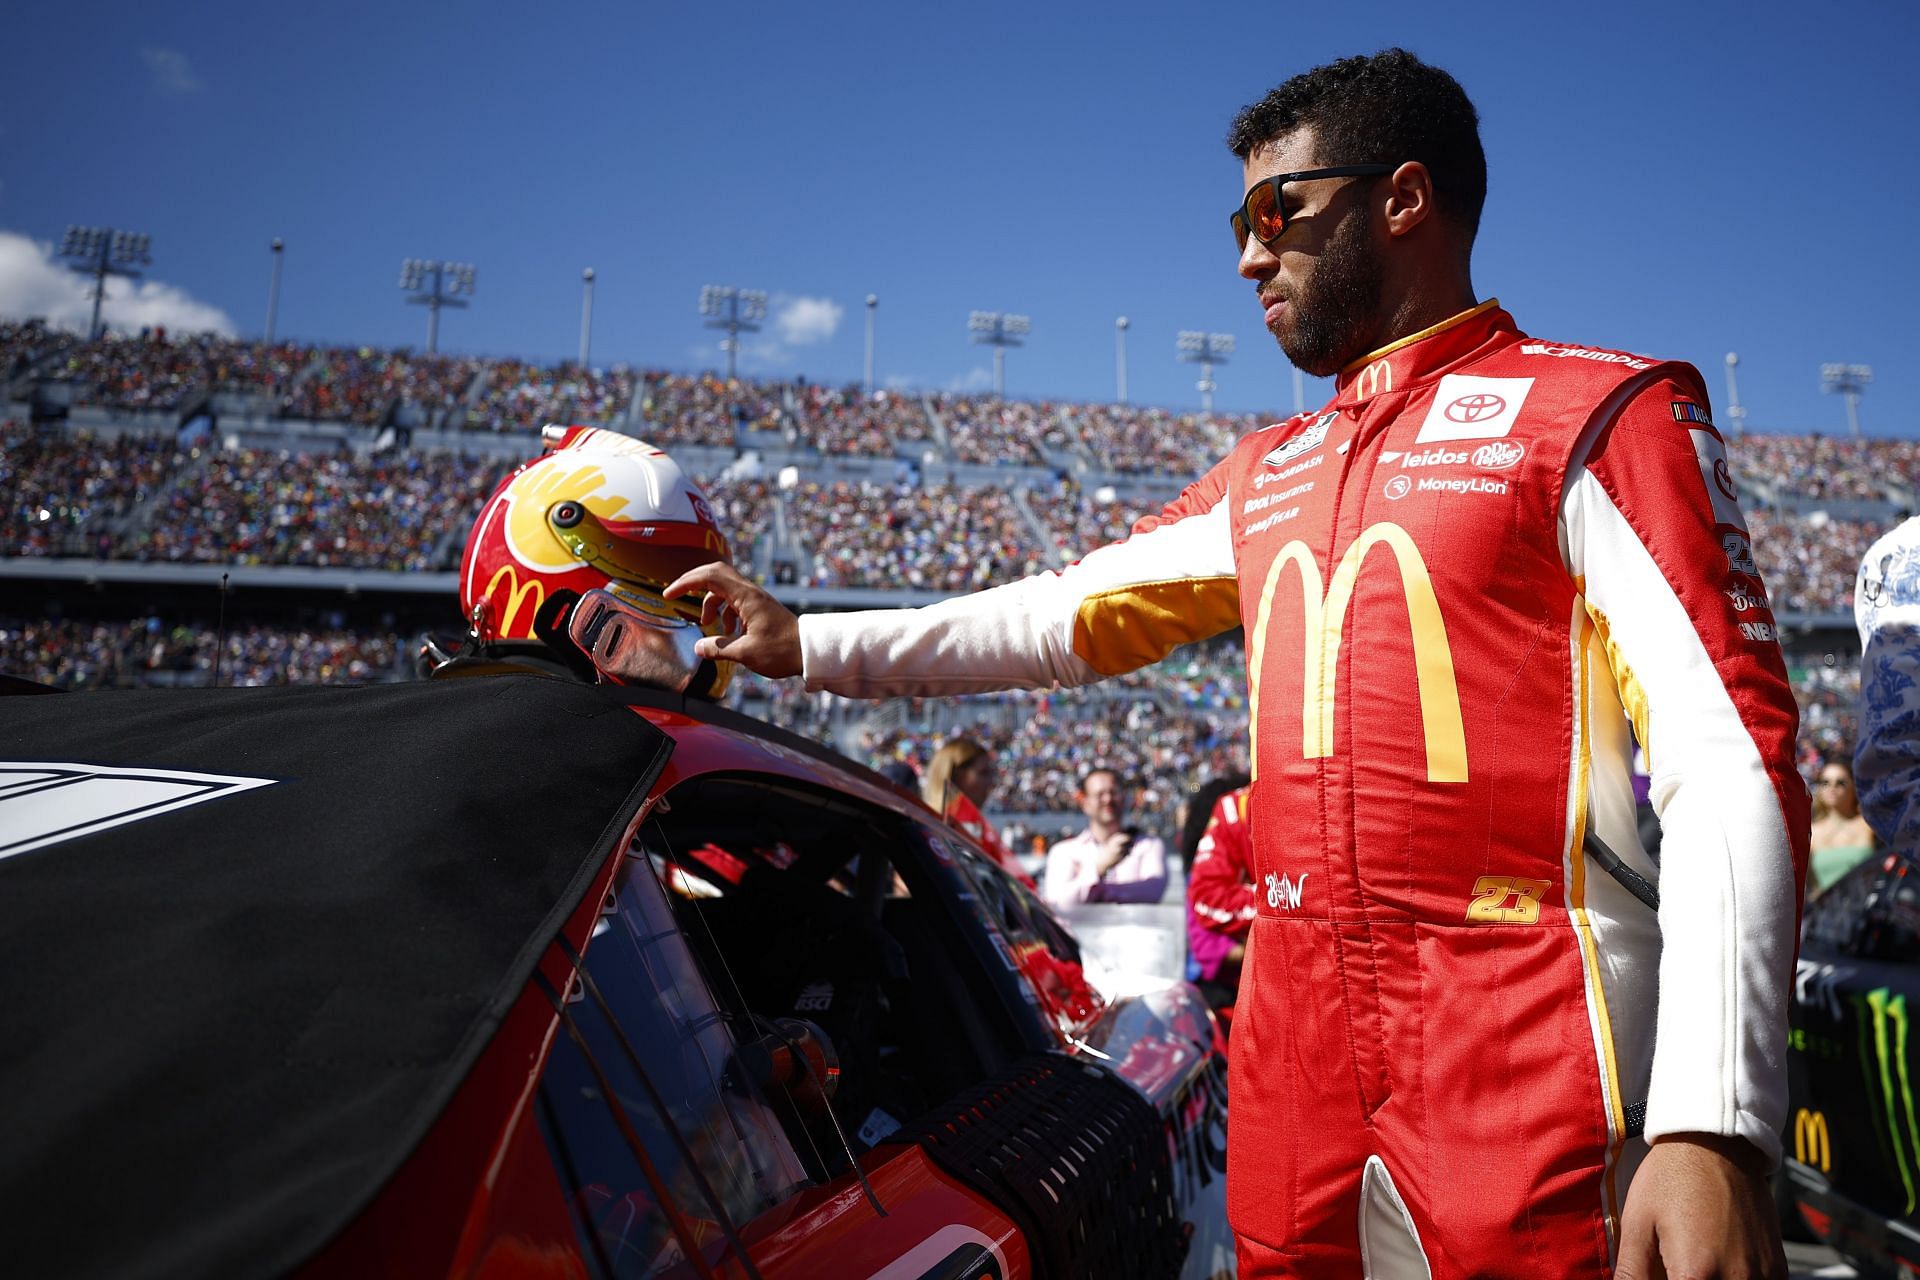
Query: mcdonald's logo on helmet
{"points": [[1812, 1144], [1325, 618]]}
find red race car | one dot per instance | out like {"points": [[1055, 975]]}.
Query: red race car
{"points": [[518, 976]]}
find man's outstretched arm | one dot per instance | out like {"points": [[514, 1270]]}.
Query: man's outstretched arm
{"points": [[1123, 606]]}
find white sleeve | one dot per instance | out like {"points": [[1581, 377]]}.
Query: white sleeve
{"points": [[1652, 548], [1121, 607]]}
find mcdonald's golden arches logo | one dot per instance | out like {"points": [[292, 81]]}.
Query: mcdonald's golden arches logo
{"points": [[517, 593], [1812, 1145], [1325, 617], [1375, 378]]}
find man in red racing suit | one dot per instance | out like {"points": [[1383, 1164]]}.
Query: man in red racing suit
{"points": [[1221, 904], [1459, 1040]]}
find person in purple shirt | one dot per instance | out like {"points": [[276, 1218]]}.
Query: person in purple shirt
{"points": [[1109, 861]]}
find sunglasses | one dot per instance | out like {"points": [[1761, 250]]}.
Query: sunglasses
{"points": [[1264, 215]]}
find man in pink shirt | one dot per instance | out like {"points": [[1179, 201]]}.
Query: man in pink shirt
{"points": [[1108, 862]]}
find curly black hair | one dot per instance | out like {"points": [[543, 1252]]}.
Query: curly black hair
{"points": [[1386, 108]]}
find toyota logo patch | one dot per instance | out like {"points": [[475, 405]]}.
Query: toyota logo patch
{"points": [[1476, 408]]}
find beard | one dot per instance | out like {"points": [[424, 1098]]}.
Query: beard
{"points": [[1332, 321]]}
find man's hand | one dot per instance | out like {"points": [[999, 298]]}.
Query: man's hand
{"points": [[1113, 849], [1699, 1209], [762, 634]]}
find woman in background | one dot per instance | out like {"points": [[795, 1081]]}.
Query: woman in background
{"points": [[1842, 840], [959, 783]]}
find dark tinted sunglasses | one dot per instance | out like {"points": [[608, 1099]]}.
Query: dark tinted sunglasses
{"points": [[1264, 215]]}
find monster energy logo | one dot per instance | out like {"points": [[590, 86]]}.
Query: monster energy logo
{"points": [[1892, 1060]]}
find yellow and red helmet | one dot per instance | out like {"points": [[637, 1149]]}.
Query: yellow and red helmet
{"points": [[596, 509]]}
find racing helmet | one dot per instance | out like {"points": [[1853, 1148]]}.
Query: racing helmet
{"points": [[596, 511]]}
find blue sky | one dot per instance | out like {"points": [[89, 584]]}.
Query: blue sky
{"points": [[1678, 179]]}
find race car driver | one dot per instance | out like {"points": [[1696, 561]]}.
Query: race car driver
{"points": [[1462, 1048], [601, 517]]}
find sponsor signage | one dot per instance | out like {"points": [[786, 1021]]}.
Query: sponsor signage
{"points": [[1325, 615], [1470, 407]]}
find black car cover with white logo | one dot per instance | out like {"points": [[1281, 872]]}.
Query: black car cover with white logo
{"points": [[251, 941]]}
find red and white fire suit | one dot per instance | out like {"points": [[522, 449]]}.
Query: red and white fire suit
{"points": [[1221, 903], [1459, 583]]}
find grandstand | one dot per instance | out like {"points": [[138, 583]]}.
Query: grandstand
{"points": [[332, 488]]}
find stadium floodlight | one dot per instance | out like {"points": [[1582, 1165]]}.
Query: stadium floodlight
{"points": [[1193, 346], [999, 330], [279, 248], [1736, 413], [434, 285], [1847, 380], [873, 305], [586, 315], [1120, 360], [101, 252], [737, 311]]}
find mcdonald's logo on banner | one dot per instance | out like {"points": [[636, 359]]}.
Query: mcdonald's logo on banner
{"points": [[1375, 378], [517, 593], [1812, 1145], [1325, 617]]}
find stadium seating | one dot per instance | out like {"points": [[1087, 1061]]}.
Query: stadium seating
{"points": [[901, 493]]}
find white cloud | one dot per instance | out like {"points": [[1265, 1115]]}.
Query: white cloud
{"points": [[170, 71], [978, 378], [35, 286], [802, 322]]}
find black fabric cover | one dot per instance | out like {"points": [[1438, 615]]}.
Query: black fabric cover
{"points": [[222, 1028], [1077, 1158]]}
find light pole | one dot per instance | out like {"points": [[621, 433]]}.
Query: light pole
{"points": [[435, 285], [273, 289], [999, 331], [1120, 360], [737, 311], [1847, 380], [1736, 414], [873, 305], [1205, 350], [101, 252], [1299, 391], [586, 315]]}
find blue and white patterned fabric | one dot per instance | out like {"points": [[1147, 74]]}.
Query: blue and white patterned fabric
{"points": [[1886, 764]]}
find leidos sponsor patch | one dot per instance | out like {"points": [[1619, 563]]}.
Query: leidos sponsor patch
{"points": [[1469, 407], [1311, 438]]}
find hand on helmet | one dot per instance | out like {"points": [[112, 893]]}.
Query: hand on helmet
{"points": [[762, 634]]}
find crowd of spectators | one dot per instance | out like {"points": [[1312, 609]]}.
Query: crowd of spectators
{"points": [[1078, 521], [1808, 561], [935, 538], [394, 512], [1055, 738], [26, 345], [521, 397], [69, 497], [1827, 688], [1158, 441], [154, 370], [147, 651], [359, 385], [704, 408], [1816, 466], [991, 431]]}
